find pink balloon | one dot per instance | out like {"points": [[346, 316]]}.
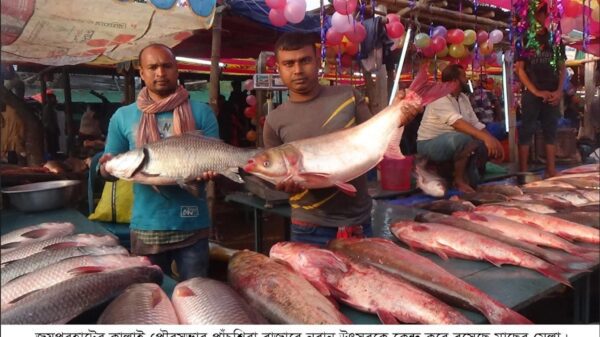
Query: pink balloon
{"points": [[342, 23], [357, 34], [438, 43], [276, 4], [333, 37], [568, 24], [294, 10], [251, 100], [396, 30], [249, 84], [429, 51], [482, 36], [276, 17], [270, 61], [455, 36], [595, 28], [392, 18], [496, 36], [344, 6]]}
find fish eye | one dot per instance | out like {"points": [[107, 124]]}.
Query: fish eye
{"points": [[266, 163]]}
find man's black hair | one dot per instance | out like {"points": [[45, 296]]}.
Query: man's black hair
{"points": [[452, 72], [294, 41]]}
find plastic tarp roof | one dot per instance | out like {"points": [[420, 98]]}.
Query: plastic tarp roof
{"points": [[64, 32]]}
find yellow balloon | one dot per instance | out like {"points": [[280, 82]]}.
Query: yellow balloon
{"points": [[443, 52], [486, 48], [457, 50], [470, 37]]}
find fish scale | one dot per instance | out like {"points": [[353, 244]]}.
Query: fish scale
{"points": [[42, 259], [64, 301], [65, 241], [142, 303], [64, 270], [177, 159], [205, 301], [40, 232]]}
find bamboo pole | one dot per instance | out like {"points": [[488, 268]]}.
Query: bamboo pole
{"points": [[68, 111], [215, 71]]}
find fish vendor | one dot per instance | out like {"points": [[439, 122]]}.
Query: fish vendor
{"points": [[450, 131], [171, 224], [318, 215]]}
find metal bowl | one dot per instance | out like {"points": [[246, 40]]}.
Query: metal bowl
{"points": [[42, 196]]}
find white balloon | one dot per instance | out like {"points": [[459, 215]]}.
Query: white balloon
{"points": [[342, 23]]}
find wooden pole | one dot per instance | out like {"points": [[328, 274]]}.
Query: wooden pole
{"points": [[68, 112], [130, 85], [587, 130], [215, 57]]}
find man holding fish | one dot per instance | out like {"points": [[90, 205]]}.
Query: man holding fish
{"points": [[168, 223], [322, 141]]}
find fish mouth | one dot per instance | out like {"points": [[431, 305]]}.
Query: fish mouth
{"points": [[250, 166]]}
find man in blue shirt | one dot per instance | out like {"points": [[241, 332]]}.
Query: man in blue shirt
{"points": [[171, 225]]}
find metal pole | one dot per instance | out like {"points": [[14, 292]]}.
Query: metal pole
{"points": [[400, 65], [68, 112], [215, 71]]}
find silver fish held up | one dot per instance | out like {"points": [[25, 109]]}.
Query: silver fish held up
{"points": [[179, 160]]}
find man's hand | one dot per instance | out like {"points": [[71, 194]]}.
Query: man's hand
{"points": [[543, 94], [290, 186], [105, 157], [208, 175], [495, 150], [555, 97]]}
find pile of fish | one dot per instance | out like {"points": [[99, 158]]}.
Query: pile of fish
{"points": [[51, 276], [550, 226]]}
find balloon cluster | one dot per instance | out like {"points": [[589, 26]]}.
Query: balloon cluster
{"points": [[577, 16], [250, 111], [457, 44], [344, 36], [284, 11]]}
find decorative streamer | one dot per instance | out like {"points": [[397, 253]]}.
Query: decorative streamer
{"points": [[587, 15], [323, 51], [556, 12]]}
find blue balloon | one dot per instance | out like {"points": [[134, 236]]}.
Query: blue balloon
{"points": [[163, 4], [202, 7]]}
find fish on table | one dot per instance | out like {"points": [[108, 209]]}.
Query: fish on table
{"points": [[504, 189], [448, 206], [65, 270], [423, 273], [582, 169], [205, 301], [75, 240], [29, 234], [45, 258], [447, 241], [140, 303], [364, 287], [64, 301], [279, 293], [336, 158], [563, 228]]}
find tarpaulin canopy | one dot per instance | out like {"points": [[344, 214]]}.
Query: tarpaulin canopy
{"points": [[63, 32]]}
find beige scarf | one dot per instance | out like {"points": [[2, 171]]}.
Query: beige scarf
{"points": [[183, 121]]}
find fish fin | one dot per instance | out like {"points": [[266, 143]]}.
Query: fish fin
{"points": [[232, 173], [86, 270], [156, 297], [504, 315], [441, 254], [10, 245], [555, 274], [191, 186], [386, 317], [23, 296], [393, 149], [182, 291], [347, 188], [338, 293], [36, 233], [62, 245], [430, 91]]}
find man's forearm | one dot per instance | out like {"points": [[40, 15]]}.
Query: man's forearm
{"points": [[465, 127]]}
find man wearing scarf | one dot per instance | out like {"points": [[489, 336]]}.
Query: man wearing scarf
{"points": [[171, 225]]}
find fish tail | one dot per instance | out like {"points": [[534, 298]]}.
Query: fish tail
{"points": [[554, 273], [430, 91], [504, 315]]}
